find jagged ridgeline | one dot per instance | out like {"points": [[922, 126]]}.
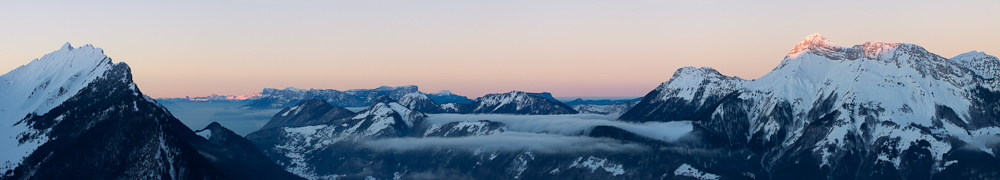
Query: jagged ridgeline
{"points": [[73, 114]]}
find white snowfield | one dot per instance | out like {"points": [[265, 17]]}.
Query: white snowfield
{"points": [[38, 87]]}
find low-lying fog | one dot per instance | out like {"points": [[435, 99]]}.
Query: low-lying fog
{"points": [[197, 115], [543, 133]]}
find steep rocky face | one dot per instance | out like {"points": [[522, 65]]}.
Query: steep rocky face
{"points": [[236, 156], [275, 98], [306, 113], [82, 117], [515, 102], [871, 111]]}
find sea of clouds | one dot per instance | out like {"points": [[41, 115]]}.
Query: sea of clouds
{"points": [[541, 133]]}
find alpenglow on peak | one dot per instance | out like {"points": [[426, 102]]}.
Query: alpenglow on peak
{"points": [[815, 41]]}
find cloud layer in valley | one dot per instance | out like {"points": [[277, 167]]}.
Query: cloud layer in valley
{"points": [[574, 124], [541, 133], [509, 141]]}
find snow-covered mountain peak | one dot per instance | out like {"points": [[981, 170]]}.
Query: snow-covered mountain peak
{"points": [[383, 113], [872, 50], [67, 46], [972, 55], [974, 58], [43, 84], [682, 84], [690, 71], [984, 65], [412, 98], [813, 42], [519, 102], [815, 38], [906, 85]]}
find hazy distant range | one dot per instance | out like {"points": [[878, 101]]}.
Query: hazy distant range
{"points": [[197, 114]]}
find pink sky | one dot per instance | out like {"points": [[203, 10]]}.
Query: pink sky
{"points": [[569, 48]]}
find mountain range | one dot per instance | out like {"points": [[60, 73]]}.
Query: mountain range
{"points": [[872, 111]]}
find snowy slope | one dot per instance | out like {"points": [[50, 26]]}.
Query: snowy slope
{"points": [[38, 87]]}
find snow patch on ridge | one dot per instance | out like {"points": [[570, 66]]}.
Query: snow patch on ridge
{"points": [[594, 163], [206, 133], [687, 170]]}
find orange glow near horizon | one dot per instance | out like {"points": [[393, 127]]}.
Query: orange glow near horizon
{"points": [[568, 48]]}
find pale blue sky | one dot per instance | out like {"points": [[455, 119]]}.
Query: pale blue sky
{"points": [[569, 48]]}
